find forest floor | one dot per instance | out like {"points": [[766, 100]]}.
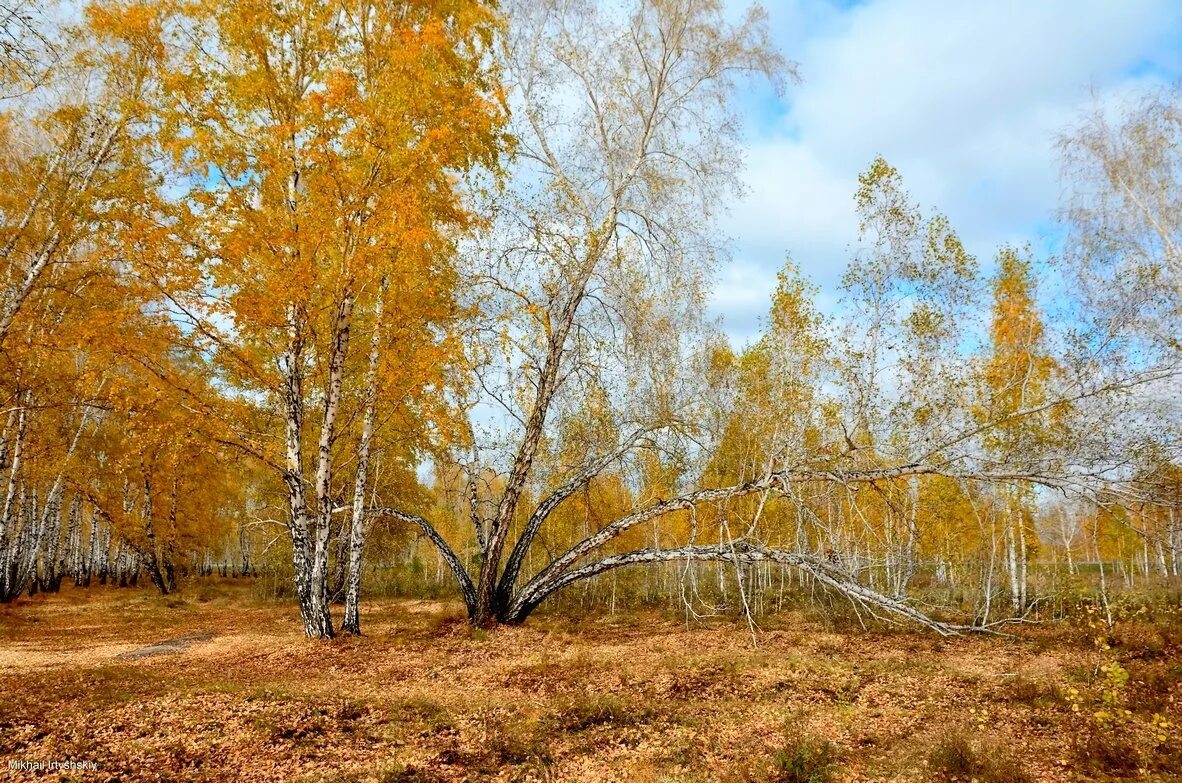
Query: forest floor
{"points": [[214, 685]]}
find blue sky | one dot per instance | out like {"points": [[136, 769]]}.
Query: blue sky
{"points": [[966, 99]]}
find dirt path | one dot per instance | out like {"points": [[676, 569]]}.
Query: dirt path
{"points": [[166, 647]]}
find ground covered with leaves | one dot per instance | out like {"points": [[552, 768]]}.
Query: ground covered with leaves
{"points": [[214, 685]]}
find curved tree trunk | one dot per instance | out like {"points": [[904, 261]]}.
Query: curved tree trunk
{"points": [[739, 554]]}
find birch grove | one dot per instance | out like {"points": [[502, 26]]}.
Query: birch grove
{"points": [[325, 292]]}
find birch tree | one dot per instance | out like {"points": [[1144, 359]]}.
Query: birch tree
{"points": [[322, 144], [1123, 208], [1018, 375], [625, 147]]}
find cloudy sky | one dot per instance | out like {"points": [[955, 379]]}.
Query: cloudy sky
{"points": [[964, 98]]}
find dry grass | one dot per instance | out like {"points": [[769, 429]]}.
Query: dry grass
{"points": [[639, 698], [955, 757]]}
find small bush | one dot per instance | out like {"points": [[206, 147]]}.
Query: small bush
{"points": [[805, 760], [955, 758]]}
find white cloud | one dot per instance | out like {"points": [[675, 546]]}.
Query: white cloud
{"points": [[965, 99]]}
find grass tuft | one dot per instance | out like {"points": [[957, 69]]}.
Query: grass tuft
{"points": [[956, 758], [805, 759], [588, 712]]}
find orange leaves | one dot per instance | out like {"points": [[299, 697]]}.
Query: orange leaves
{"points": [[324, 146], [131, 21], [1020, 367]]}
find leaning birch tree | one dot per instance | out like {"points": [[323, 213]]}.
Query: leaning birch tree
{"points": [[592, 289]]}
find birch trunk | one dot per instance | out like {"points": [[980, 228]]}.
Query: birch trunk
{"points": [[1012, 562], [96, 536], [293, 415], [318, 594], [74, 541], [152, 555], [14, 469], [357, 531], [1175, 543], [1023, 601], [48, 574], [8, 516]]}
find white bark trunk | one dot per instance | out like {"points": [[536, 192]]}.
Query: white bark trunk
{"points": [[357, 531]]}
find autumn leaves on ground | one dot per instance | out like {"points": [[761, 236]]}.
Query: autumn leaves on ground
{"points": [[244, 696]]}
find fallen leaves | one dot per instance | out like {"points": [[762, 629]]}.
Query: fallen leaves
{"points": [[419, 699]]}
